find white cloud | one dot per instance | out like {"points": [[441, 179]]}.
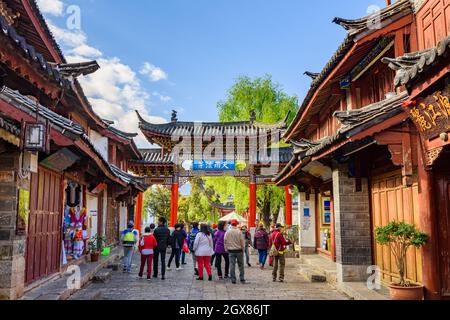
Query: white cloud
{"points": [[52, 7], [115, 93], [161, 97], [153, 72], [115, 90], [68, 38], [86, 51]]}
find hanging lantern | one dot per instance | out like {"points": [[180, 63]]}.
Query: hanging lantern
{"points": [[35, 137]]}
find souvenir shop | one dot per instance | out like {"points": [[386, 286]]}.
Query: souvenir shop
{"points": [[76, 222]]}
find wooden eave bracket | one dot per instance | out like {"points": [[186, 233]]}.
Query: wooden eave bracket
{"points": [[399, 144]]}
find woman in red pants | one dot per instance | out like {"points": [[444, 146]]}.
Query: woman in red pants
{"points": [[146, 246], [204, 249]]}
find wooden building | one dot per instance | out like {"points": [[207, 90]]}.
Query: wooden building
{"points": [[369, 143], [56, 170]]}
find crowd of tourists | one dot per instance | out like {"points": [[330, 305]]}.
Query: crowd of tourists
{"points": [[223, 245]]}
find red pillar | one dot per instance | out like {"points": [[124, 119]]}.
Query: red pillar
{"points": [[138, 212], [174, 204], [252, 209], [430, 252], [288, 209]]}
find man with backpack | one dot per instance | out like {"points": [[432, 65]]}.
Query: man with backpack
{"points": [[129, 238], [191, 239], [162, 236]]}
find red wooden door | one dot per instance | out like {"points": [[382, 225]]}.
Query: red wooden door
{"points": [[443, 212], [43, 252]]}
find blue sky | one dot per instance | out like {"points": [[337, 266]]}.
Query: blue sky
{"points": [[178, 54]]}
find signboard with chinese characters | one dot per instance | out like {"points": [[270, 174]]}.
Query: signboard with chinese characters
{"points": [[214, 165], [431, 115]]}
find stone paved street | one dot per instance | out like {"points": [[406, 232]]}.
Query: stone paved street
{"points": [[182, 285]]}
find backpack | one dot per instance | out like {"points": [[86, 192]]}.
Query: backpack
{"points": [[192, 236], [273, 250], [129, 236]]}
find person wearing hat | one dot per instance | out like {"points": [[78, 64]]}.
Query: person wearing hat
{"points": [[279, 241], [129, 238], [235, 246]]}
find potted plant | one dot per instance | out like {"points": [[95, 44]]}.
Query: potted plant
{"points": [[400, 236], [96, 245]]}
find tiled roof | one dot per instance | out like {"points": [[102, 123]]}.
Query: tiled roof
{"points": [[356, 26], [155, 156], [124, 135], [128, 178], [62, 125], [28, 51], [244, 128], [402, 6], [357, 120], [44, 25], [284, 155], [29, 106], [353, 122], [74, 70], [411, 66], [9, 127]]}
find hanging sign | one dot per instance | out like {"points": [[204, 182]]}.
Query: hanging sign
{"points": [[214, 165], [431, 115]]}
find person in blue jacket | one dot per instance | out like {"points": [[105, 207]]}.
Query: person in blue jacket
{"points": [[194, 231]]}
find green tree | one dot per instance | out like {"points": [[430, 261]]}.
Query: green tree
{"points": [[158, 200], [270, 104], [199, 204]]}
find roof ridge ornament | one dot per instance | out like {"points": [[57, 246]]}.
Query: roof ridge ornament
{"points": [[253, 116], [312, 75], [174, 116]]}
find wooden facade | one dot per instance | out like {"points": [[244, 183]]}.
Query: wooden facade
{"points": [[387, 123], [37, 85]]}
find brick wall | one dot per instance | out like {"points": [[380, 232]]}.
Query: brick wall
{"points": [[12, 247], [352, 226]]}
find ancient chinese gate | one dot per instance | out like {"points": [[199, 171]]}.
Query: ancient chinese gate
{"points": [[238, 149]]}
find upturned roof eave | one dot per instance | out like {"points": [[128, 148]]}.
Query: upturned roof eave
{"points": [[399, 10]]}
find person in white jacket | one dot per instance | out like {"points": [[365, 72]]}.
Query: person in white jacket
{"points": [[204, 249]]}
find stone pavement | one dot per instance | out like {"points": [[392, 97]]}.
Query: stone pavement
{"points": [[182, 285]]}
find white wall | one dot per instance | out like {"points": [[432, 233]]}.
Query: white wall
{"points": [[100, 143], [307, 227]]}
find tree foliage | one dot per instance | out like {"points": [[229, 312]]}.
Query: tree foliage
{"points": [[158, 200], [270, 104], [196, 207], [400, 236]]}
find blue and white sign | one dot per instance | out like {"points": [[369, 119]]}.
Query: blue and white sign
{"points": [[213, 165]]}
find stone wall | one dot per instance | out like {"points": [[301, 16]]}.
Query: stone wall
{"points": [[352, 226], [12, 247]]}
